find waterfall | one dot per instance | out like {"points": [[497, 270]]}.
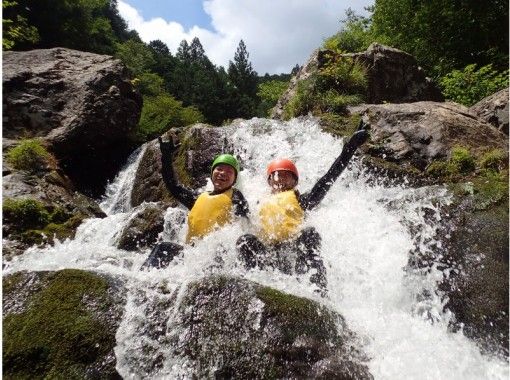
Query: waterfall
{"points": [[368, 232], [117, 196]]}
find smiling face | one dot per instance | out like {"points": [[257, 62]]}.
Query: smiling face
{"points": [[282, 180], [223, 177]]}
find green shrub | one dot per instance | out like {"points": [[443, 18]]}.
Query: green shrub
{"points": [[470, 85], [162, 112], [30, 155], [461, 161], [25, 213], [340, 82], [495, 160]]}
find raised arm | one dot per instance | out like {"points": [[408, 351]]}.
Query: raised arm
{"points": [[184, 195], [312, 199]]}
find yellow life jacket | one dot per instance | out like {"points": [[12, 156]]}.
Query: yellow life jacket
{"points": [[208, 213], [280, 217]]}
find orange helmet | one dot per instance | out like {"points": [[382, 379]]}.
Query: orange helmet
{"points": [[282, 164]]}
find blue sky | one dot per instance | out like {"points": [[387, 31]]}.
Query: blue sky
{"points": [[278, 33], [187, 12]]}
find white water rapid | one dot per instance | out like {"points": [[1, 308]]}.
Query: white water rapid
{"points": [[366, 242]]}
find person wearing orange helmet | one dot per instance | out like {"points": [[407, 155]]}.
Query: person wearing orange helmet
{"points": [[282, 216]]}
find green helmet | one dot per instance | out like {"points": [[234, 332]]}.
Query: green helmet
{"points": [[227, 159]]}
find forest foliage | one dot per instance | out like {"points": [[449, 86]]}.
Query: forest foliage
{"points": [[462, 44]]}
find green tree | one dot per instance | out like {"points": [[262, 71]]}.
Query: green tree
{"points": [[269, 93], [88, 25], [445, 34], [470, 85], [16, 30], [354, 36], [161, 113], [137, 56], [244, 80]]}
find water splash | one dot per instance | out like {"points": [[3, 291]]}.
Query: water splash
{"points": [[117, 196], [368, 233]]}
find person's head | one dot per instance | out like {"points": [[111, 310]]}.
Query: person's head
{"points": [[224, 172], [282, 175]]}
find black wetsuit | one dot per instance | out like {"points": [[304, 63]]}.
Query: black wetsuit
{"points": [[307, 244], [163, 253]]}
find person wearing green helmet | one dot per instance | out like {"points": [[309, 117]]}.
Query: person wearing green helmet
{"points": [[209, 210]]}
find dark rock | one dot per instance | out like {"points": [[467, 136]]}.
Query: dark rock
{"points": [[277, 335], [143, 228], [393, 76], [494, 110], [82, 104], [407, 138], [477, 288], [60, 324], [148, 185]]}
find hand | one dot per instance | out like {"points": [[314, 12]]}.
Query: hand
{"points": [[166, 147]]}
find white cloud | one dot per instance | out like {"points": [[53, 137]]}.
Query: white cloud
{"points": [[278, 34]]}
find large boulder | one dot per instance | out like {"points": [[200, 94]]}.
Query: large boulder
{"points": [[60, 325], [494, 110], [408, 138], [82, 104], [233, 328], [393, 76]]}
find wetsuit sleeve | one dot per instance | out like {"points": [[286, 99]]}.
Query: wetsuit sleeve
{"points": [[184, 195], [312, 199], [240, 204]]}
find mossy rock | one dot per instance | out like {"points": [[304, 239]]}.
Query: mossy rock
{"points": [[60, 325], [33, 222], [277, 335], [31, 155]]}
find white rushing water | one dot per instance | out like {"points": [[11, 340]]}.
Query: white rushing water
{"points": [[366, 243]]}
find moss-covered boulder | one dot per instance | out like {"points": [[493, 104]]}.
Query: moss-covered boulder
{"points": [[60, 325], [234, 328], [40, 203]]}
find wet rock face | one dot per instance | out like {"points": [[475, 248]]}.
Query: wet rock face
{"points": [[143, 228], [236, 328], [477, 291], [411, 136], [494, 110], [82, 104], [60, 324]]}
